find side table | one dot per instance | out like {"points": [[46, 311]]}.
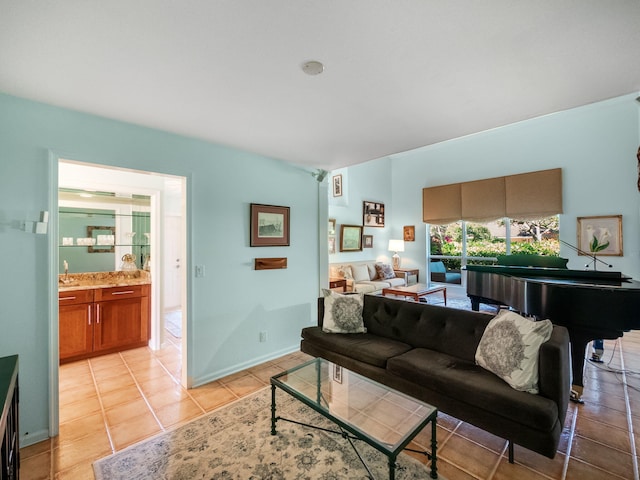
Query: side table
{"points": [[337, 283], [407, 273]]}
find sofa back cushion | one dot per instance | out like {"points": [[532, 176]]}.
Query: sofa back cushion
{"points": [[361, 273], [447, 330]]}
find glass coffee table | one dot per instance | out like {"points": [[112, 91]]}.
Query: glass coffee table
{"points": [[361, 408]]}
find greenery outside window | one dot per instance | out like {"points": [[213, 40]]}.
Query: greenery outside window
{"points": [[455, 245]]}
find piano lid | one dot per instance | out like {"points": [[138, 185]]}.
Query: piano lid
{"points": [[559, 275]]}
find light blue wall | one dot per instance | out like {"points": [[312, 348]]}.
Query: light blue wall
{"points": [[365, 182], [595, 146], [230, 305]]}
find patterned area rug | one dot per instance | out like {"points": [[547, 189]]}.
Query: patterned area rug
{"points": [[235, 442]]}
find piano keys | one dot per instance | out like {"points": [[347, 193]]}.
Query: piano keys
{"points": [[590, 304]]}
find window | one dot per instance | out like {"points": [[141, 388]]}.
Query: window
{"points": [[462, 243]]}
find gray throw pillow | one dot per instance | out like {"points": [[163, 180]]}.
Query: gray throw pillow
{"points": [[385, 271], [509, 348], [343, 313]]}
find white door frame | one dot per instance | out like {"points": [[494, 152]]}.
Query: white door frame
{"points": [[156, 287]]}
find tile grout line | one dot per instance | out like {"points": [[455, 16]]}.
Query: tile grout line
{"points": [[144, 397], [572, 434], [102, 409], [186, 390], [632, 442]]}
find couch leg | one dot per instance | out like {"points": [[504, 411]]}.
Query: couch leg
{"points": [[510, 451]]}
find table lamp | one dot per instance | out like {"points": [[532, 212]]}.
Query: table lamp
{"points": [[396, 246]]}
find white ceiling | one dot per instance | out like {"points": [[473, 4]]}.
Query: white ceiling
{"points": [[399, 74]]}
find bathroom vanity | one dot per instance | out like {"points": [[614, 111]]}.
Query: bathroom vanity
{"points": [[103, 312]]}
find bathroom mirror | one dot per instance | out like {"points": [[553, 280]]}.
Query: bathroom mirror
{"points": [[104, 223]]}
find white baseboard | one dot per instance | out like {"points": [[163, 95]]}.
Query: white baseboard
{"points": [[243, 366]]}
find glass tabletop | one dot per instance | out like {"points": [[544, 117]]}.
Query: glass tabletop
{"points": [[369, 409]]}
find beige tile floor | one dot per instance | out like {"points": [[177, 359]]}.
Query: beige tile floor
{"points": [[108, 403]]}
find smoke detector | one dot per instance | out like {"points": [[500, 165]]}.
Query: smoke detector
{"points": [[313, 68]]}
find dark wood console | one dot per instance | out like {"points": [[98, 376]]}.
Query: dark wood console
{"points": [[10, 448]]}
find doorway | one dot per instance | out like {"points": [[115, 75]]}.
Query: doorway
{"points": [[166, 252]]}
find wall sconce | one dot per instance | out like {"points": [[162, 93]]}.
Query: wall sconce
{"points": [[396, 246]]}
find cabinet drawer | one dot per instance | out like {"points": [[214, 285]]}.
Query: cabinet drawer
{"points": [[75, 296], [118, 293]]}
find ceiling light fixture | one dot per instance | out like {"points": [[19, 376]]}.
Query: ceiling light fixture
{"points": [[313, 68]]}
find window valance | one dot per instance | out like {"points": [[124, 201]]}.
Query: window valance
{"points": [[523, 196]]}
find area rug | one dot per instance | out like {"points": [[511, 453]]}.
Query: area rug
{"points": [[235, 442]]}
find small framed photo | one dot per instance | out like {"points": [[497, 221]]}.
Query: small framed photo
{"points": [[367, 241], [350, 238], [332, 245], [332, 226], [409, 232], [104, 237], [337, 185], [601, 235], [269, 226], [372, 214], [337, 373]]}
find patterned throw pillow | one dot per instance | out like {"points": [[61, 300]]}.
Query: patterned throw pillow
{"points": [[343, 313], [509, 348], [385, 271]]}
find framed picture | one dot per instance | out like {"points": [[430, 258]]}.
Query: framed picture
{"points": [[332, 245], [337, 185], [332, 226], [350, 238], [409, 233], [337, 373], [372, 214], [367, 241], [103, 239], [269, 226], [600, 235]]}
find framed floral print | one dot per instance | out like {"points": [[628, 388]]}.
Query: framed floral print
{"points": [[601, 235]]}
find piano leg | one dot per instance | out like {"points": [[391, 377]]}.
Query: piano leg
{"points": [[578, 347], [475, 303]]}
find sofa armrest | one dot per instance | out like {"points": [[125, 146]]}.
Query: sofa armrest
{"points": [[555, 370], [320, 311]]}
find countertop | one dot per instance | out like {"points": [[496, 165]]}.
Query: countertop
{"points": [[84, 281]]}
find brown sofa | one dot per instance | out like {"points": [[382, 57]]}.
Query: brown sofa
{"points": [[428, 352]]}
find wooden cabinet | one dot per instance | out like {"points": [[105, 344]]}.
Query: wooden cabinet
{"points": [[122, 318], [75, 319], [9, 431], [103, 320]]}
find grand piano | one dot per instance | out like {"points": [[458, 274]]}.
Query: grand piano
{"points": [[590, 304]]}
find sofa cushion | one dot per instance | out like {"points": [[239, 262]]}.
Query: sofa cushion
{"points": [[462, 380], [360, 272], [363, 347], [364, 287], [395, 282], [446, 330], [384, 271], [343, 313], [510, 348]]}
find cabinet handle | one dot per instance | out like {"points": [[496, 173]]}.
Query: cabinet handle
{"points": [[122, 293], [67, 298], [89, 314], [98, 313]]}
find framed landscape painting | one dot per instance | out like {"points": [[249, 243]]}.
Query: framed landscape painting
{"points": [[350, 238], [269, 226]]}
